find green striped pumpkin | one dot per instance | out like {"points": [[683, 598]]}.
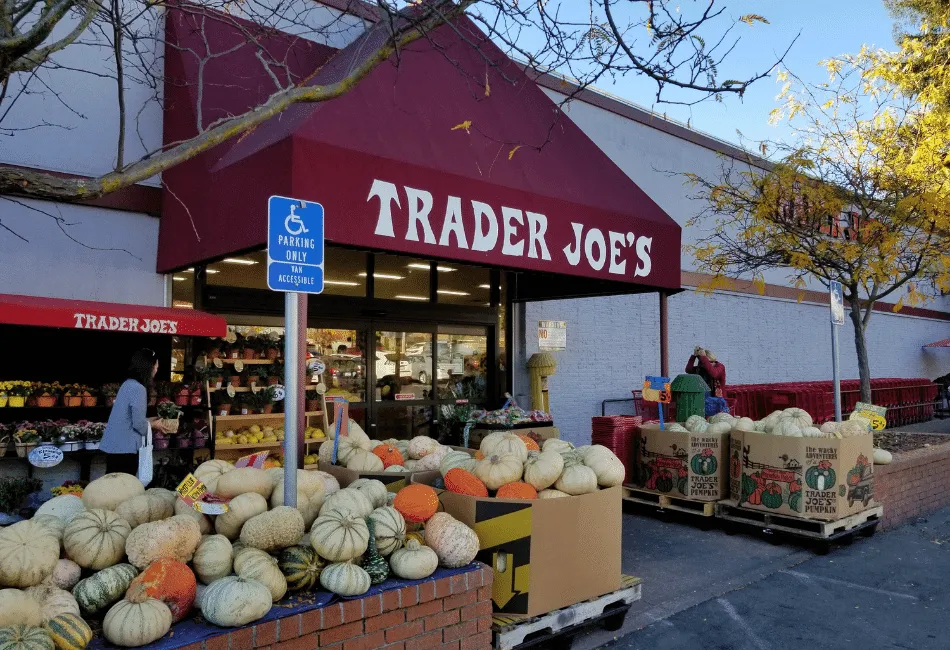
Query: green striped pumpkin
{"points": [[340, 536], [69, 632], [390, 529], [98, 591], [301, 566], [25, 637]]}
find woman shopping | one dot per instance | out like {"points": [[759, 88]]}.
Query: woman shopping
{"points": [[128, 427]]}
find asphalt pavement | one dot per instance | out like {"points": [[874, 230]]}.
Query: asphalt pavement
{"points": [[706, 589]]}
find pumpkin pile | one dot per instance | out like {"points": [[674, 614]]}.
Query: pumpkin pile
{"points": [[513, 466], [791, 422], [141, 560], [358, 452]]}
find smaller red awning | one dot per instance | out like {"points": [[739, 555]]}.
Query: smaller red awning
{"points": [[939, 344], [109, 317]]}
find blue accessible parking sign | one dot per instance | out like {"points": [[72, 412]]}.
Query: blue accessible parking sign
{"points": [[294, 245]]}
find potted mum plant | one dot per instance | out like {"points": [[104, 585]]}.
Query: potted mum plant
{"points": [[26, 438], [72, 395], [93, 434], [271, 346], [182, 394], [196, 393], [224, 403], [233, 377], [109, 391], [312, 399], [200, 437], [18, 392], [214, 376], [276, 374], [46, 395], [89, 396], [264, 400], [70, 437], [170, 415]]}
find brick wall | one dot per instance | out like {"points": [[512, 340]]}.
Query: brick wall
{"points": [[447, 614], [613, 342], [915, 484]]}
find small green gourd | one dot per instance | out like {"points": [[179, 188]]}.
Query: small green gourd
{"points": [[373, 563]]}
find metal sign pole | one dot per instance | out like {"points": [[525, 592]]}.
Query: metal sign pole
{"points": [[291, 388], [836, 371]]}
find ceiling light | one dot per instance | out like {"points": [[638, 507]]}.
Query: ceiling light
{"points": [[183, 305], [382, 276], [188, 271], [453, 293], [178, 278], [211, 270], [238, 260], [484, 286], [400, 297], [341, 283], [425, 267]]}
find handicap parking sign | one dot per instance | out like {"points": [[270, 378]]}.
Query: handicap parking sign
{"points": [[294, 245]]}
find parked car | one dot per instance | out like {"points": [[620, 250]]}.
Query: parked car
{"points": [[384, 364]]}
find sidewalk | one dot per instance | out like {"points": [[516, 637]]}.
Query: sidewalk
{"points": [[889, 591]]}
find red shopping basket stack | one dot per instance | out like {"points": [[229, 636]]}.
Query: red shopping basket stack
{"points": [[616, 433]]}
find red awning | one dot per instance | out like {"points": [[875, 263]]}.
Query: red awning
{"points": [[945, 343], [111, 317], [421, 159]]}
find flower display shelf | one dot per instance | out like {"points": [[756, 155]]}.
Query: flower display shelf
{"points": [[259, 416]]}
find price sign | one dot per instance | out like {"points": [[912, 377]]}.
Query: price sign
{"points": [[195, 494], [279, 393], [45, 456], [870, 413], [318, 367], [253, 460], [552, 335]]}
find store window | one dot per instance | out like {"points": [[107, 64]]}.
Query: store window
{"points": [[404, 422], [344, 272], [463, 285], [401, 278], [403, 366], [462, 373], [183, 289]]}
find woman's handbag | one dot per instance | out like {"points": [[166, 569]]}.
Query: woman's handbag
{"points": [[145, 459]]}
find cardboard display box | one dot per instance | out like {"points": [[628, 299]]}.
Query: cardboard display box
{"points": [[813, 478], [542, 431], [681, 464], [545, 553]]}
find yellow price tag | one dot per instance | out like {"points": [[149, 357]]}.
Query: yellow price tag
{"points": [[191, 488]]}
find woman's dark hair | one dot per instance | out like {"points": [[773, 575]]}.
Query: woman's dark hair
{"points": [[140, 367]]}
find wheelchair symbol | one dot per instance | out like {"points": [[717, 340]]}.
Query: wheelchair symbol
{"points": [[299, 227]]}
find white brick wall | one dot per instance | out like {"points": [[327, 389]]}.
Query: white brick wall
{"points": [[613, 342]]}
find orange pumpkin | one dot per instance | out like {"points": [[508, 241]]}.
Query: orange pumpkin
{"points": [[388, 454], [462, 482], [416, 503], [479, 455], [169, 581], [529, 442], [516, 490]]}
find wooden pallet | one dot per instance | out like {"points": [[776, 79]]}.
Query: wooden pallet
{"points": [[666, 502], [799, 527], [555, 629]]}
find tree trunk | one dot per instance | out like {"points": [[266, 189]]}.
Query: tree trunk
{"points": [[861, 347]]}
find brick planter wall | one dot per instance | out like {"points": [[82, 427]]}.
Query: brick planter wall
{"points": [[447, 614], [915, 484]]}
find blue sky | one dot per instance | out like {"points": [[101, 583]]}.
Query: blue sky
{"points": [[828, 28]]}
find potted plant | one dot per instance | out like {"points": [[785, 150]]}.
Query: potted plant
{"points": [[160, 440], [233, 377], [214, 376], [224, 403], [170, 415], [196, 394], [271, 347], [109, 391], [244, 404], [258, 376], [47, 396], [200, 437], [252, 348], [70, 437], [13, 493], [72, 395], [18, 391], [182, 394], [26, 438], [89, 397], [276, 374], [264, 401], [93, 434], [4, 393], [312, 399]]}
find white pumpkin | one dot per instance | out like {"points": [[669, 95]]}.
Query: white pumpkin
{"points": [[552, 494], [308, 483], [395, 469], [787, 427], [17, 608], [213, 559], [495, 471], [676, 426], [374, 490], [556, 444], [345, 579], [745, 424], [263, 568], [53, 601], [882, 457], [234, 601], [133, 624], [851, 428], [422, 446], [273, 530], [339, 536], [718, 428], [609, 469], [798, 416], [210, 471], [829, 427], [240, 509], [144, 508], [51, 525], [454, 458], [205, 526], [577, 479], [696, 424], [769, 421], [348, 501], [364, 461], [723, 417], [506, 443], [432, 461], [66, 507], [410, 465], [541, 470], [244, 480], [65, 575], [96, 539], [330, 482], [414, 562], [390, 529], [812, 432], [163, 494], [454, 543], [108, 491]]}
